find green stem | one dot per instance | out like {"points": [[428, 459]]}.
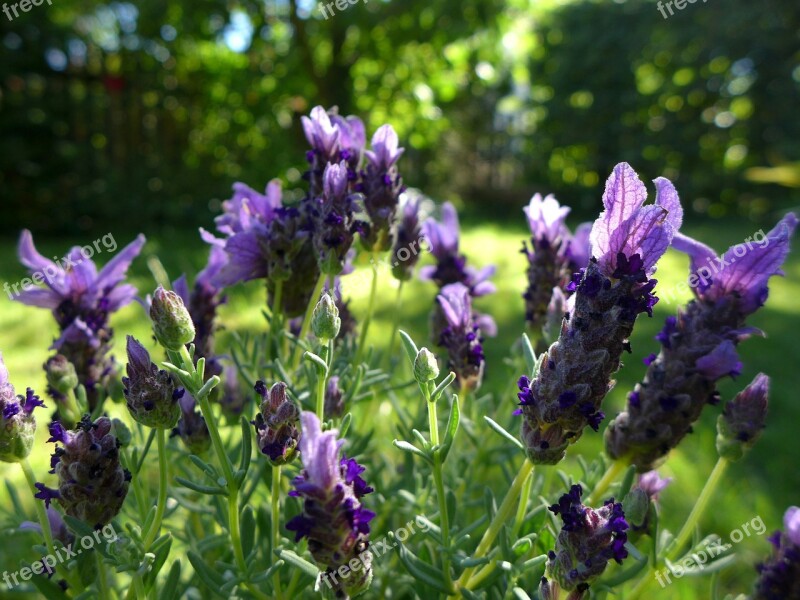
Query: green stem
{"points": [[433, 422], [102, 578], [227, 468], [362, 339], [396, 325], [276, 324], [699, 508], [500, 519], [611, 474], [322, 376], [44, 522], [138, 585], [276, 496], [523, 504], [688, 528], [155, 526], [307, 320]]}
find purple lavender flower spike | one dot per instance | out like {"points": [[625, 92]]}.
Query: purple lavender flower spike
{"points": [[553, 257], [92, 484], [151, 394], [352, 139], [588, 540], [333, 219], [334, 399], [566, 393], [232, 399], [779, 577], [407, 242], [743, 419], [381, 185], [333, 139], [333, 519], [192, 428], [17, 423], [82, 300], [276, 423], [451, 267], [698, 347], [454, 328]]}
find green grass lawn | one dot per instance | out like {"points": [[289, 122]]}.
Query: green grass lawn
{"points": [[763, 484]]}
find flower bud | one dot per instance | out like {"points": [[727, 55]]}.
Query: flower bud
{"points": [[172, 323], [17, 424], [325, 322], [426, 367], [276, 424], [742, 420], [192, 428], [635, 506], [151, 394], [61, 375]]}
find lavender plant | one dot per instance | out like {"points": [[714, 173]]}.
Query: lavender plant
{"points": [[345, 479]]}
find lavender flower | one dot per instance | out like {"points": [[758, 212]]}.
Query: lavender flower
{"points": [[588, 540], [333, 219], [192, 428], [575, 373], [554, 255], [334, 399], [202, 303], [333, 519], [743, 419], [92, 484], [456, 330], [276, 424], [332, 139], [452, 266], [779, 577], [265, 240], [406, 250], [17, 424], [381, 185], [151, 394], [82, 300], [698, 347], [233, 399]]}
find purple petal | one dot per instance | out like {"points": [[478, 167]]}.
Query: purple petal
{"points": [[624, 194], [181, 288], [721, 361], [667, 198], [791, 523], [28, 255], [645, 235], [42, 298], [115, 270], [546, 217]]}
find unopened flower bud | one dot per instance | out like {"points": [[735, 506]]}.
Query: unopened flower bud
{"points": [[172, 323], [151, 394], [426, 367], [325, 322], [636, 505], [17, 424], [742, 420], [61, 375]]}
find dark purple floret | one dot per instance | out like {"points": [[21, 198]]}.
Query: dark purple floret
{"points": [[453, 322], [588, 540], [150, 393], [698, 347], [743, 419], [381, 185], [408, 240]]}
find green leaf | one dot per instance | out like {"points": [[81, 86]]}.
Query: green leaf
{"points": [[247, 446], [170, 589], [410, 346], [452, 428], [161, 553], [201, 489], [421, 439], [12, 493], [210, 578], [411, 449], [627, 481], [502, 432], [439, 389], [520, 594], [248, 529], [299, 562], [529, 353], [344, 426], [266, 575], [421, 570], [322, 366], [49, 588]]}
